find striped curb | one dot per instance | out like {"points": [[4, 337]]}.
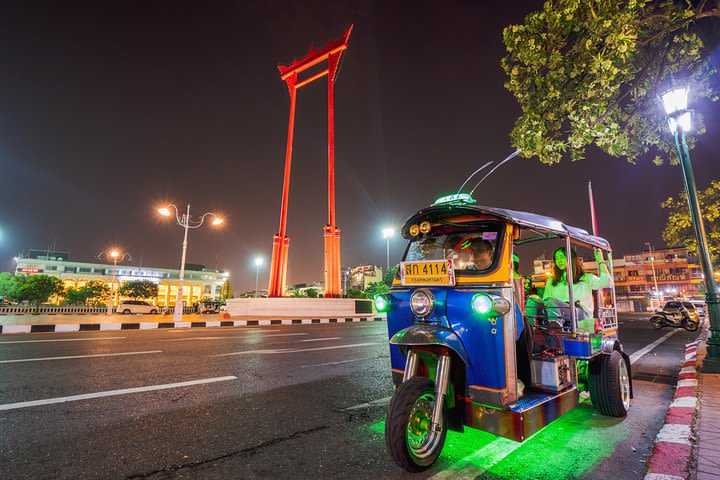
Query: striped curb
{"points": [[671, 454], [86, 327]]}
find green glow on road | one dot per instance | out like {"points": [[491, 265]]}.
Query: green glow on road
{"points": [[567, 448]]}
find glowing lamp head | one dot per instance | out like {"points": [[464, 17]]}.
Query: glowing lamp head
{"points": [[388, 232], [164, 211], [490, 305], [217, 221], [114, 254], [422, 302], [482, 304], [675, 100], [382, 303], [258, 261]]}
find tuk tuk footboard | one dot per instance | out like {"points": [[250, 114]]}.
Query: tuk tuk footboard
{"points": [[533, 412]]}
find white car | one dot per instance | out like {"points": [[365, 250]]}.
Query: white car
{"points": [[127, 307]]}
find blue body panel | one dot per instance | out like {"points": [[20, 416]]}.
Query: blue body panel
{"points": [[481, 342]]}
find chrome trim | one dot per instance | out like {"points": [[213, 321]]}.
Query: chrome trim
{"points": [[441, 384], [410, 365]]}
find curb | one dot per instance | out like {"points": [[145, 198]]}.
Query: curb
{"points": [[86, 327], [672, 452]]}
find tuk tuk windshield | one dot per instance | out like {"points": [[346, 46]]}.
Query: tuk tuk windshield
{"points": [[473, 247]]}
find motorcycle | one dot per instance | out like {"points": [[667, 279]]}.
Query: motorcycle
{"points": [[662, 319]]}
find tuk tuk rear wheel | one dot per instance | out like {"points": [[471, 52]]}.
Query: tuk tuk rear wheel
{"points": [[609, 383], [410, 440]]}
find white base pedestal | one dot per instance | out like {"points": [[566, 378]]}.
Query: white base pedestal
{"points": [[291, 308]]}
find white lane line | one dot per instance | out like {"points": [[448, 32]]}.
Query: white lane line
{"points": [[338, 363], [110, 393], [64, 340], [324, 339], [78, 356], [295, 350], [374, 403], [231, 337], [648, 348], [470, 466]]}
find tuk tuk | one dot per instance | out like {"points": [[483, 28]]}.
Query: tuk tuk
{"points": [[469, 350]]}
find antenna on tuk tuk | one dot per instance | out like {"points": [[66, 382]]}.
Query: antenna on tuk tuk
{"points": [[510, 157], [473, 174]]}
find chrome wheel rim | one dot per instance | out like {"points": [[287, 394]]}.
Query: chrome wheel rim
{"points": [[624, 385], [420, 438]]}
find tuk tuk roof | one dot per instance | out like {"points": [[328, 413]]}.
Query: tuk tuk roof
{"points": [[525, 219]]}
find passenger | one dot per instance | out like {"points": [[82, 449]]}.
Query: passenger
{"points": [[557, 294], [481, 254]]}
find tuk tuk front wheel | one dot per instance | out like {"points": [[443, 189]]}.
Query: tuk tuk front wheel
{"points": [[410, 439], [609, 383]]}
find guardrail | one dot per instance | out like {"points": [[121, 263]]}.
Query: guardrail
{"points": [[69, 310]]}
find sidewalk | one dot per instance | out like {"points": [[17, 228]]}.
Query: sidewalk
{"points": [[708, 432]]}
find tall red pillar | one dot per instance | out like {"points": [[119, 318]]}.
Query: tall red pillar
{"points": [[331, 52]]}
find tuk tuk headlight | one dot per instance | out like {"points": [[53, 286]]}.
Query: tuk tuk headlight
{"points": [[490, 305], [382, 302], [422, 302]]}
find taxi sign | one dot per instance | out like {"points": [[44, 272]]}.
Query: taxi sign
{"points": [[437, 272]]}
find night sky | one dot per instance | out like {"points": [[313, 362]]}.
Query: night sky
{"points": [[108, 111]]}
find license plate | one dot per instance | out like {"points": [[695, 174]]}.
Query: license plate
{"points": [[440, 272]]}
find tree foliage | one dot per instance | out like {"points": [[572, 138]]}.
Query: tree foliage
{"points": [[94, 293], [679, 231], [376, 288], [389, 275], [7, 285], [138, 289], [354, 292], [589, 72], [36, 288]]}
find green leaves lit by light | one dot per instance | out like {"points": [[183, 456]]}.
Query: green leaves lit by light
{"points": [[382, 303], [455, 198], [482, 304]]}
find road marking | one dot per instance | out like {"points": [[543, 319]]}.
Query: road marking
{"points": [[325, 339], [63, 340], [231, 337], [77, 356], [110, 393], [469, 467], [648, 348], [295, 350], [374, 403], [338, 363]]}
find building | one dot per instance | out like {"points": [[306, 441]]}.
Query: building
{"points": [[200, 281], [361, 277], [677, 276]]}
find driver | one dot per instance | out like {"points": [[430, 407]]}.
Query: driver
{"points": [[481, 254]]}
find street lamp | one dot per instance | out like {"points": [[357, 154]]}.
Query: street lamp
{"points": [[186, 222], [387, 234], [114, 256], [679, 120], [258, 262], [652, 262]]}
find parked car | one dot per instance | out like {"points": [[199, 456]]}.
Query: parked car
{"points": [[209, 307], [675, 308], [127, 307]]}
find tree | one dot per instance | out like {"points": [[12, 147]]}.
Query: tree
{"points": [[354, 292], [679, 230], [36, 288], [376, 288], [389, 275], [589, 71], [311, 293], [7, 284], [96, 292], [138, 289], [226, 290]]}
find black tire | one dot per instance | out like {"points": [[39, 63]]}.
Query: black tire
{"points": [[396, 425], [690, 325], [607, 387], [126, 312], [657, 323], [153, 312]]}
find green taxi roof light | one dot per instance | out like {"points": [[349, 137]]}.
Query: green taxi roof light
{"points": [[455, 198], [482, 304], [382, 303]]}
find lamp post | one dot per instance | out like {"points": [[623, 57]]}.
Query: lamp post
{"points": [[679, 119], [258, 262], [387, 235], [187, 223], [116, 257], [652, 262]]}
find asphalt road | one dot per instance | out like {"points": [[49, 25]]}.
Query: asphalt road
{"points": [[304, 401]]}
